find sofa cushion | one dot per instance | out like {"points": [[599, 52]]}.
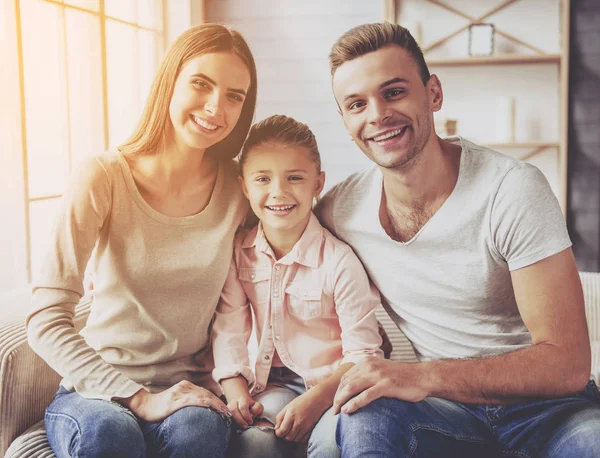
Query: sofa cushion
{"points": [[33, 443]]}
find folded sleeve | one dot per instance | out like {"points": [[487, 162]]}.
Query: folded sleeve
{"points": [[355, 301], [231, 331]]}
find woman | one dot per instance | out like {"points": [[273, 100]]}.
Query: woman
{"points": [[158, 219]]}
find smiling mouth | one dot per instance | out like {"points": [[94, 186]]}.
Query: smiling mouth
{"points": [[280, 208], [389, 135], [204, 124]]}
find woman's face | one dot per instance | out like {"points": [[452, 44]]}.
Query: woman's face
{"points": [[207, 99]]}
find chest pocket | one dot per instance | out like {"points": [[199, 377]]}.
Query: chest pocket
{"points": [[304, 303], [255, 282]]}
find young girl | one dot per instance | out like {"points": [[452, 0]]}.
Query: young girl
{"points": [[160, 215], [311, 298]]}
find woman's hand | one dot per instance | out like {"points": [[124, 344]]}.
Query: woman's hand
{"points": [[157, 407], [296, 420]]}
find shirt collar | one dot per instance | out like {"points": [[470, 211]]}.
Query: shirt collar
{"points": [[306, 251]]}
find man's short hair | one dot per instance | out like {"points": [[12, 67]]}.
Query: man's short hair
{"points": [[367, 38]]}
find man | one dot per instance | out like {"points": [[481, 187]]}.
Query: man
{"points": [[472, 257]]}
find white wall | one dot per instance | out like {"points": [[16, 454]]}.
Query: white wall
{"points": [[291, 41]]}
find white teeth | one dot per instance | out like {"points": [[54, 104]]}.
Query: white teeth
{"points": [[391, 134], [204, 123], [281, 208]]}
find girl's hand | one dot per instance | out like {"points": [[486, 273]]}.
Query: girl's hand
{"points": [[296, 420], [244, 410], [157, 407]]}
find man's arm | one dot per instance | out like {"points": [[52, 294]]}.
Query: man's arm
{"points": [[550, 300]]}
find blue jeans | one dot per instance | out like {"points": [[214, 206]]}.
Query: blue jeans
{"points": [[284, 386], [558, 428], [81, 427]]}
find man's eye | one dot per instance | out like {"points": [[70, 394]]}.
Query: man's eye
{"points": [[395, 93], [356, 105]]}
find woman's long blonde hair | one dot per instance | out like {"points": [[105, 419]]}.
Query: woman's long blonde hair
{"points": [[149, 135]]}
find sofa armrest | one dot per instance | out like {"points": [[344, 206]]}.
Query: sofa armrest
{"points": [[27, 383], [591, 291]]}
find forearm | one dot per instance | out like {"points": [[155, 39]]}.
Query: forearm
{"points": [[235, 387], [542, 370], [326, 389]]}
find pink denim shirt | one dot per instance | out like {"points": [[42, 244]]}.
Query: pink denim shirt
{"points": [[314, 306]]}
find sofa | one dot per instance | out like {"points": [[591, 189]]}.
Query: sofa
{"points": [[27, 384]]}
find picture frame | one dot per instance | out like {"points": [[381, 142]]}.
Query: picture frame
{"points": [[481, 39]]}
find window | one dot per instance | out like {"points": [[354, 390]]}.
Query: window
{"points": [[75, 77]]}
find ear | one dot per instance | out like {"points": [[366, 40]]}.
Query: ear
{"points": [[436, 94], [243, 185], [320, 183]]}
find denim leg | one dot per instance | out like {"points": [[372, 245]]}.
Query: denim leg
{"points": [[86, 428], [190, 432], [257, 441], [557, 428], [431, 428], [322, 440]]}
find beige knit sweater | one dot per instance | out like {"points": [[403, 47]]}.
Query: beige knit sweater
{"points": [[157, 281]]}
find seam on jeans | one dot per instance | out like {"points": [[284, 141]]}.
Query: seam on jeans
{"points": [[514, 453], [71, 419], [412, 448]]}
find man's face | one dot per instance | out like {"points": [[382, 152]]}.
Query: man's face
{"points": [[386, 108]]}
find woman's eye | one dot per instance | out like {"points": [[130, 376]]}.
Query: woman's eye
{"points": [[200, 84], [236, 97]]}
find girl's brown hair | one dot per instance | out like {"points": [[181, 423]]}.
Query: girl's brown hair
{"points": [[281, 129], [149, 135]]}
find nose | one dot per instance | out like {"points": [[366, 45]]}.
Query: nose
{"points": [[278, 188], [378, 111], [213, 103]]}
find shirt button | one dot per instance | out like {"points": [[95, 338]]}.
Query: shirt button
{"points": [[252, 276], [258, 388], [276, 337], [277, 267], [305, 293], [267, 357]]}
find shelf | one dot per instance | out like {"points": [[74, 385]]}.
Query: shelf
{"points": [[506, 59], [524, 145]]}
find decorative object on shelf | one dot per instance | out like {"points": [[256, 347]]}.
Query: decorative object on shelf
{"points": [[481, 39], [445, 127], [505, 119]]}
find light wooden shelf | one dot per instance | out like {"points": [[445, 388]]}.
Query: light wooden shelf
{"points": [[524, 145], [505, 59]]}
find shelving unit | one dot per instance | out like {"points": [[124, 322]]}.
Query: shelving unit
{"points": [[532, 56]]}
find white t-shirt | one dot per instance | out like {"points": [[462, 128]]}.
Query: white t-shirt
{"points": [[449, 288]]}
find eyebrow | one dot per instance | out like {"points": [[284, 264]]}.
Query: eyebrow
{"points": [[213, 82], [287, 171], [381, 86]]}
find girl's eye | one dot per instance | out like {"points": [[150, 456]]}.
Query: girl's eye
{"points": [[295, 178], [261, 179]]}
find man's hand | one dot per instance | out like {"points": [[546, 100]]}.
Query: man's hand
{"points": [[244, 410], [373, 378], [157, 407], [296, 420]]}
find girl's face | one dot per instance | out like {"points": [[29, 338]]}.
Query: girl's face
{"points": [[207, 99], [281, 181]]}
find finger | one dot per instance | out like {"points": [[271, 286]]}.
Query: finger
{"points": [[293, 433], [245, 411], [284, 427], [361, 400], [238, 417], [350, 387], [256, 409]]}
